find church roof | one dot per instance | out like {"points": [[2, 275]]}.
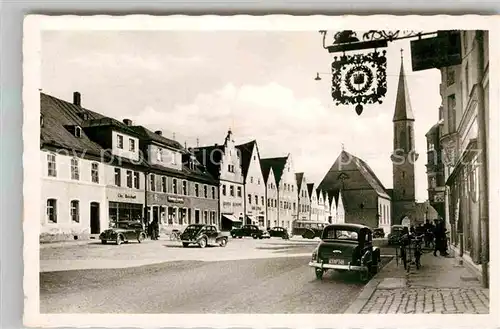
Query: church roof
{"points": [[402, 109], [347, 162]]}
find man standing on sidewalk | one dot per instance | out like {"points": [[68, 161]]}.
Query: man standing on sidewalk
{"points": [[440, 238]]}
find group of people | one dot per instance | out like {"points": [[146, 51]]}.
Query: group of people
{"points": [[436, 232], [152, 229]]}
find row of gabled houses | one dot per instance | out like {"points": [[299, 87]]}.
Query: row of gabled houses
{"points": [[97, 171]]}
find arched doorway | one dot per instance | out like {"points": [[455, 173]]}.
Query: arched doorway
{"points": [[95, 222]]}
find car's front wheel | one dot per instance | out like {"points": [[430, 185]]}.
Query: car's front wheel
{"points": [[185, 244], [319, 273], [141, 237], [202, 243], [104, 241], [223, 242]]}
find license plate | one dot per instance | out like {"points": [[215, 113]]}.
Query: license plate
{"points": [[336, 261]]}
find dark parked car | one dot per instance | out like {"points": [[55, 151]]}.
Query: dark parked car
{"points": [[279, 232], [378, 233], [123, 232], [203, 235], [346, 247], [395, 234], [249, 230]]}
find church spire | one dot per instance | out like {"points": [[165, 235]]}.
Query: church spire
{"points": [[402, 110]]}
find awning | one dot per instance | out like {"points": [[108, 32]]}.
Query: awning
{"points": [[232, 218]]}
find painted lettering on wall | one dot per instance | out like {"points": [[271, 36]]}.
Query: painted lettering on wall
{"points": [[126, 196], [175, 199]]}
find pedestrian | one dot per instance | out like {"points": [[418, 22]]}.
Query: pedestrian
{"points": [[440, 238], [154, 229]]}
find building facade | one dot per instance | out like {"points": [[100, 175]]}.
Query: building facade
{"points": [[254, 202], [271, 195], [435, 168], [223, 162], [327, 215], [179, 190], [304, 205], [287, 188], [313, 201], [361, 194], [465, 93]]}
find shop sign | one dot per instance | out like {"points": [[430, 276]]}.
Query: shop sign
{"points": [[236, 204], [174, 199], [127, 196]]}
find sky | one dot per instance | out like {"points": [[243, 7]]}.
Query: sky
{"points": [[198, 84]]}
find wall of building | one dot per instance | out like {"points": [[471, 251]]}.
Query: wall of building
{"points": [[125, 151], [287, 195], [255, 190], [304, 204], [272, 200], [384, 211], [64, 189], [164, 157]]}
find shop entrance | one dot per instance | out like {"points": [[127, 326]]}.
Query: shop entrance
{"points": [[197, 216], [95, 223]]}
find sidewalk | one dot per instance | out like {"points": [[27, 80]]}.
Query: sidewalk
{"points": [[439, 286]]}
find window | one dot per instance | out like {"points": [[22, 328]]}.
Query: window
{"points": [[164, 184], [159, 155], [256, 200], [262, 200], [231, 190], [223, 189], [255, 157], [174, 185], [184, 188], [230, 168], [249, 199], [433, 182], [403, 174], [131, 145], [294, 206], [51, 165], [75, 211], [213, 192], [466, 73], [119, 141], [118, 177], [75, 169], [152, 182], [129, 178], [239, 192], [94, 172], [451, 113], [251, 179], [174, 158], [281, 204], [196, 190], [430, 146], [52, 210], [205, 191], [258, 181], [136, 180], [292, 188]]}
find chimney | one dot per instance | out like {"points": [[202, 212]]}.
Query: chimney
{"points": [[77, 98], [128, 122], [158, 132]]}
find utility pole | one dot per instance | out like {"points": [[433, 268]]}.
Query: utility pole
{"points": [[483, 164]]}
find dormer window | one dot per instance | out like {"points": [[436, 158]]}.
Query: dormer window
{"points": [[78, 132], [159, 155]]}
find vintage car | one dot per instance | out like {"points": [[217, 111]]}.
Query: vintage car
{"points": [[249, 230], [203, 235], [395, 234], [123, 232], [346, 247], [279, 232], [308, 229], [378, 233]]}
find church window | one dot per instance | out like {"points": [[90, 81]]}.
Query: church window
{"points": [[403, 174], [410, 133], [402, 140]]}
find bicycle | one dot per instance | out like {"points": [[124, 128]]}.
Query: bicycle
{"points": [[411, 251], [175, 235]]}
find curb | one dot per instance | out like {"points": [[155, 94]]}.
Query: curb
{"points": [[366, 293]]}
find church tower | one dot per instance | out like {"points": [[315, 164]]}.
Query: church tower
{"points": [[404, 155]]}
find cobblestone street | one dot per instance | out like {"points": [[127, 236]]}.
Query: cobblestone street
{"points": [[440, 286], [428, 300]]}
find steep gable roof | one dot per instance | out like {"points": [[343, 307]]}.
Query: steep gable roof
{"points": [[402, 110], [310, 189], [299, 177], [277, 164], [349, 162], [246, 151], [210, 157], [57, 116]]}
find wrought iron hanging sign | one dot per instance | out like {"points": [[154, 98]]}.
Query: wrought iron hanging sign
{"points": [[359, 79]]}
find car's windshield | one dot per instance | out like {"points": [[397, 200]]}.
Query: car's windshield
{"points": [[193, 228], [341, 234]]}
